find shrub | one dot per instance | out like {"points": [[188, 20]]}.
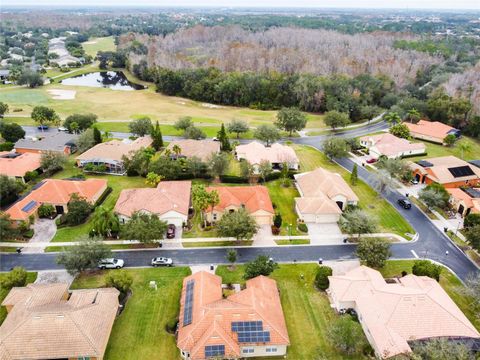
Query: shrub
{"points": [[275, 230], [120, 280], [262, 265], [30, 175], [277, 220], [471, 220], [28, 234], [171, 326], [6, 146], [427, 268], [16, 277], [303, 227], [321, 279], [46, 210]]}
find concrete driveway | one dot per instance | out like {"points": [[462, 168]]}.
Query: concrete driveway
{"points": [[264, 236], [45, 230], [321, 234]]}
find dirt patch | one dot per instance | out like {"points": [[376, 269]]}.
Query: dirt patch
{"points": [[90, 42], [58, 94]]}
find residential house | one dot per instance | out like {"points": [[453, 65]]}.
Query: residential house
{"points": [[465, 200], [202, 149], [57, 193], [395, 315], [391, 146], [254, 199], [170, 200], [46, 321], [15, 165], [449, 171], [433, 131], [276, 154], [110, 154], [324, 195], [57, 141], [248, 323]]}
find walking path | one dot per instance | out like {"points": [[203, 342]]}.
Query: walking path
{"points": [[177, 244]]}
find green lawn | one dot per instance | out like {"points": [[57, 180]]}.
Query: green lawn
{"points": [[93, 45], [389, 218], [449, 282], [139, 332], [293, 242], [283, 199], [190, 244], [436, 150], [307, 311], [31, 277]]}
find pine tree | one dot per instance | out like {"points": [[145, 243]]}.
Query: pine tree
{"points": [[223, 138], [354, 175], [97, 136], [157, 137]]}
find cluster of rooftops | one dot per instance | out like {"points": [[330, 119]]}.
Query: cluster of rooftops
{"points": [[395, 315]]}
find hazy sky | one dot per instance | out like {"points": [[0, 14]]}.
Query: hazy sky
{"points": [[400, 4]]}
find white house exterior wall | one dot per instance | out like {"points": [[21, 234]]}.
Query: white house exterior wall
{"points": [[261, 351], [171, 217]]}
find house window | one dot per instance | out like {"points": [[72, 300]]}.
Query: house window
{"points": [[248, 350], [84, 358], [271, 349], [214, 216]]}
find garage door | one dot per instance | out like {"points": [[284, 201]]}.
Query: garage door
{"points": [[178, 222]]}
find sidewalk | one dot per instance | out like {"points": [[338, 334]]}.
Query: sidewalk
{"points": [[178, 244]]}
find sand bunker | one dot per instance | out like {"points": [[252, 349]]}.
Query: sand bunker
{"points": [[212, 106], [90, 42], [58, 94]]}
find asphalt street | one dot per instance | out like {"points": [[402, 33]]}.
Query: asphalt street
{"points": [[432, 243]]}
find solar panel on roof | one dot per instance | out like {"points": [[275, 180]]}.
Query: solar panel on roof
{"points": [[424, 163], [474, 193], [247, 325], [253, 336], [188, 307], [461, 171], [36, 186], [214, 350], [29, 206]]}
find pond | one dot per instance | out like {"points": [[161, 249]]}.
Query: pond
{"points": [[115, 80]]}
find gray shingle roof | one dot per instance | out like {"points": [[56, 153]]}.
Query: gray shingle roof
{"points": [[54, 141]]}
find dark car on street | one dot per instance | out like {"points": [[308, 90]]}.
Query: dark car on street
{"points": [[405, 203]]}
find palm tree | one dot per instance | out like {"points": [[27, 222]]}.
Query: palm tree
{"points": [[383, 181], [213, 199], [104, 221], [464, 147], [176, 150], [392, 118], [413, 115], [200, 200]]}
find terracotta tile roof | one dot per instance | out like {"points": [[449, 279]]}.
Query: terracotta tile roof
{"points": [[202, 149], [55, 191], [390, 145], [439, 171], [212, 316], [42, 325], [318, 188], [167, 196], [115, 149], [434, 129], [415, 308], [254, 198], [470, 202], [12, 165], [255, 152]]}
